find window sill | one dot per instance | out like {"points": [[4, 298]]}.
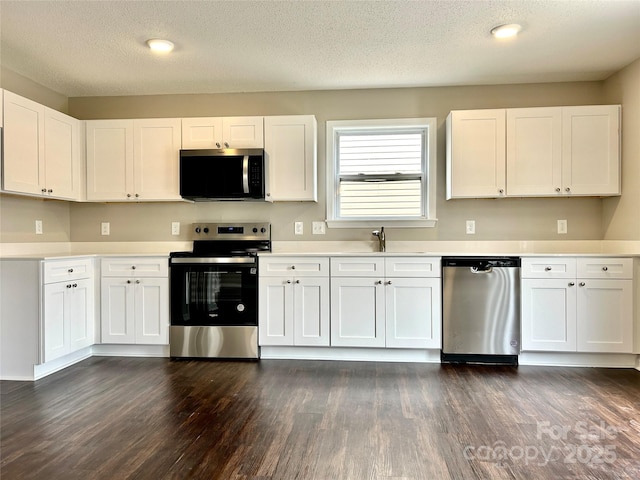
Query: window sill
{"points": [[430, 223]]}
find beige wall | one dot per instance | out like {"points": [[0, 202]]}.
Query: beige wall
{"points": [[519, 219], [506, 219], [621, 219], [25, 87]]}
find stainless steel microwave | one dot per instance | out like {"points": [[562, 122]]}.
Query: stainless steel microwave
{"points": [[222, 174]]}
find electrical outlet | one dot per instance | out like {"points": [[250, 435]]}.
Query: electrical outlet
{"points": [[562, 227], [471, 227], [298, 228], [175, 228], [38, 227], [105, 228], [318, 228]]}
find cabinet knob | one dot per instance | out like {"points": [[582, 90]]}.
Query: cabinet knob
{"points": [[137, 195], [128, 195], [137, 281], [128, 281], [218, 144], [44, 190], [226, 145], [567, 189], [558, 189], [571, 284], [389, 282], [501, 191], [547, 269], [75, 285], [379, 282], [288, 281], [582, 284], [70, 270], [604, 269], [69, 286], [50, 191], [297, 281], [293, 267], [133, 267]]}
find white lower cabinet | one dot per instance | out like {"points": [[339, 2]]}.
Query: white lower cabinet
{"points": [[68, 308], [391, 302], [577, 305], [135, 301], [294, 301]]}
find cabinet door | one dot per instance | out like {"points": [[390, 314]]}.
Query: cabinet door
{"points": [[110, 160], [152, 311], [62, 155], [117, 310], [548, 315], [605, 316], [534, 151], [591, 150], [243, 132], [202, 132], [23, 154], [275, 311], [413, 313], [476, 154], [290, 145], [55, 334], [156, 159], [80, 314], [357, 312], [311, 311]]}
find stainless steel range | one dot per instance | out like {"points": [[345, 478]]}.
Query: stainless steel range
{"points": [[214, 291]]}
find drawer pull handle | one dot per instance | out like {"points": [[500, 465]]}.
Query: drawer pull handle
{"points": [[547, 269], [582, 284], [604, 269], [571, 284]]}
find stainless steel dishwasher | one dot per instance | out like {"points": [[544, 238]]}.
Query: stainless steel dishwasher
{"points": [[480, 310]]}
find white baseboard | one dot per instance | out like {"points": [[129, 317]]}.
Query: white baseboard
{"points": [[562, 359], [131, 350], [351, 354], [41, 371]]}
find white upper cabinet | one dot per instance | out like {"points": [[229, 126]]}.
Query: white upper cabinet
{"points": [[223, 132], [42, 150], [133, 159], [476, 154], [550, 151], [534, 151], [591, 150], [291, 145]]}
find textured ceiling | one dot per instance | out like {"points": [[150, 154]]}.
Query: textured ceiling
{"points": [[93, 48]]}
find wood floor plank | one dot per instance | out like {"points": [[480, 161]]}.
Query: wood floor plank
{"points": [[133, 418]]}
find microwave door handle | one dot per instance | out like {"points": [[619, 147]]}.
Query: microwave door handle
{"points": [[245, 174]]}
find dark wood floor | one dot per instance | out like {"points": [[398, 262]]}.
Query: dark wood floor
{"points": [[116, 418]]}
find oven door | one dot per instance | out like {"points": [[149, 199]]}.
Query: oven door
{"points": [[219, 291]]}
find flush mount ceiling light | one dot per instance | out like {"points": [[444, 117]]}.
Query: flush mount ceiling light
{"points": [[159, 45], [506, 31]]}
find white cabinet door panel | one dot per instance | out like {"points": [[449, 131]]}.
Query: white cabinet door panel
{"points": [[151, 311], [413, 314], [548, 315], [62, 155], [311, 311], [55, 329], [81, 308], [357, 313], [202, 132], [605, 316], [117, 308], [275, 298]]}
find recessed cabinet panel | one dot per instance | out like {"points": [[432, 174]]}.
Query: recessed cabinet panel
{"points": [[357, 313]]}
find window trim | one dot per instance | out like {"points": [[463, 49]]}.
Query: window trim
{"points": [[332, 181]]}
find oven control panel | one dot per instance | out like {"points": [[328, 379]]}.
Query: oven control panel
{"points": [[231, 231]]}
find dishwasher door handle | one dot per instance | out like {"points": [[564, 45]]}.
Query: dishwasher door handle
{"points": [[477, 270]]}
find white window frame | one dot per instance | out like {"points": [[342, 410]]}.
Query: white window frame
{"points": [[429, 198]]}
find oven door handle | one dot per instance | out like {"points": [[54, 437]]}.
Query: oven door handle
{"points": [[227, 260]]}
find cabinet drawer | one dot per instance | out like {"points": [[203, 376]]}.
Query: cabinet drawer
{"points": [[548, 267], [357, 267], [412, 266], [294, 266], [609, 267], [67, 269], [135, 267]]}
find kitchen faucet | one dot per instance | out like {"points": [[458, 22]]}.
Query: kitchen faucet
{"points": [[381, 240]]}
